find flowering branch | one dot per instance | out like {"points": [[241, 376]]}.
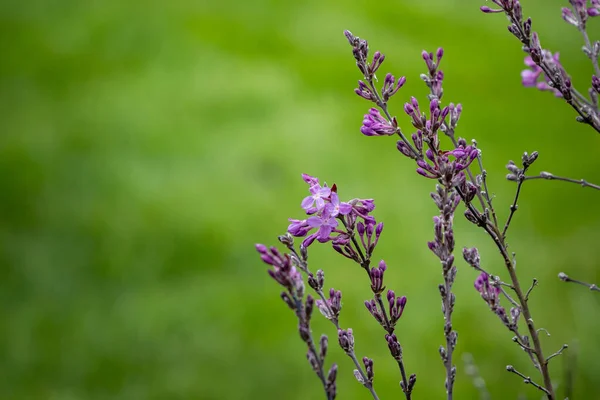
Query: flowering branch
{"points": [[434, 163], [542, 61], [353, 233], [565, 278], [447, 167]]}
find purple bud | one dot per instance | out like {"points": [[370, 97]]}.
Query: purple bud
{"points": [[434, 105], [308, 309], [394, 346], [391, 296], [346, 340], [350, 37], [369, 368], [429, 155], [439, 54], [378, 230], [288, 300], [403, 148], [471, 217], [414, 102]]}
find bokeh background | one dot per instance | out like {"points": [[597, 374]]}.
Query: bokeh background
{"points": [[146, 146]]}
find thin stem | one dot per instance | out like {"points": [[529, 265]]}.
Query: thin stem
{"points": [[519, 341], [551, 177], [508, 297], [533, 284], [485, 188], [388, 326], [527, 379], [449, 345], [558, 353], [407, 393], [513, 207], [565, 278]]}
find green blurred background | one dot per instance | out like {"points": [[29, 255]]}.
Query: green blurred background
{"points": [[146, 146]]}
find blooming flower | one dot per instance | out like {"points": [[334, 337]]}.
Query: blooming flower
{"points": [[326, 223], [531, 77], [316, 201], [336, 207]]}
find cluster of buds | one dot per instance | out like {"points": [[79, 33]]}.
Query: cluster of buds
{"points": [[517, 174], [490, 289]]}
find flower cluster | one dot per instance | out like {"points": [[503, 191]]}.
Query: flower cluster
{"points": [[490, 289], [283, 272], [490, 294], [326, 211], [535, 77], [354, 233], [545, 72]]}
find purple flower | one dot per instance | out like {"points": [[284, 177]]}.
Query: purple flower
{"points": [[325, 223], [335, 207], [531, 77], [375, 125], [316, 201], [488, 292]]}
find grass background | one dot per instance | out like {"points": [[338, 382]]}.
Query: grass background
{"points": [[146, 146]]}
